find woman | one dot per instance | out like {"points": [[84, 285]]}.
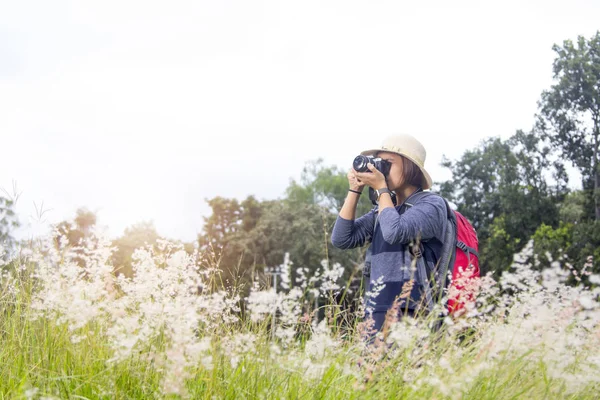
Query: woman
{"points": [[418, 216]]}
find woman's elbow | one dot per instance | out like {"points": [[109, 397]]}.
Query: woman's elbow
{"points": [[391, 237], [340, 243]]}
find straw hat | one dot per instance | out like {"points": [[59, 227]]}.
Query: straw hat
{"points": [[409, 147]]}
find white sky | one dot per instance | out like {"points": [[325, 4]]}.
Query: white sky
{"points": [[140, 110]]}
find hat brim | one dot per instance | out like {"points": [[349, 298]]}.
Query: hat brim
{"points": [[426, 183]]}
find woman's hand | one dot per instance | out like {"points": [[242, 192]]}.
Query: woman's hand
{"points": [[374, 179], [354, 182]]}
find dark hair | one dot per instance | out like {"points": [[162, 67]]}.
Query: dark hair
{"points": [[412, 173]]}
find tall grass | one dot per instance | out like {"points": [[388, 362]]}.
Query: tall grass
{"points": [[70, 329]]}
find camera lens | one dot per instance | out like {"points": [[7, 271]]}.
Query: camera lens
{"points": [[360, 163]]}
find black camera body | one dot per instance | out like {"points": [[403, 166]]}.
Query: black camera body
{"points": [[360, 164]]}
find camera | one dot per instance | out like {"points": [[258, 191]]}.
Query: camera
{"points": [[360, 164]]}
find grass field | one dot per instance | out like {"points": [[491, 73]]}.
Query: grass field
{"points": [[71, 329]]}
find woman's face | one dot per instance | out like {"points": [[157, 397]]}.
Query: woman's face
{"points": [[395, 178]]}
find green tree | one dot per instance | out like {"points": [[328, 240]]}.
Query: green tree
{"points": [[586, 243], [285, 227], [326, 186], [223, 240], [570, 111], [572, 209], [78, 229], [245, 237], [224, 221], [569, 244], [573, 241], [502, 188], [135, 237], [551, 244]]}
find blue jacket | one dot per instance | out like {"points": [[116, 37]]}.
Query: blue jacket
{"points": [[390, 232]]}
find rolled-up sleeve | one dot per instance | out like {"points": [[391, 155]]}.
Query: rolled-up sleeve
{"points": [[426, 220], [348, 234]]}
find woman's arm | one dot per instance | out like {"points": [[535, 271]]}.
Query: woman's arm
{"points": [[348, 210], [348, 233], [426, 219]]}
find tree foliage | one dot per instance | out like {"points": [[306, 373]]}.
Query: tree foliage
{"points": [[572, 245], [79, 228], [503, 188], [222, 240], [246, 237], [76, 231], [570, 111], [136, 236], [326, 186]]}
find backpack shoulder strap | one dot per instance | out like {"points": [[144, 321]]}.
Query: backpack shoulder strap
{"points": [[448, 254]]}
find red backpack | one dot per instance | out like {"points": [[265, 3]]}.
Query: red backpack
{"points": [[460, 255], [465, 265]]}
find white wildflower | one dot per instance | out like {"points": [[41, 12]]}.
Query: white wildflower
{"points": [[263, 303], [321, 342], [31, 393], [285, 271], [587, 302], [331, 274]]}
